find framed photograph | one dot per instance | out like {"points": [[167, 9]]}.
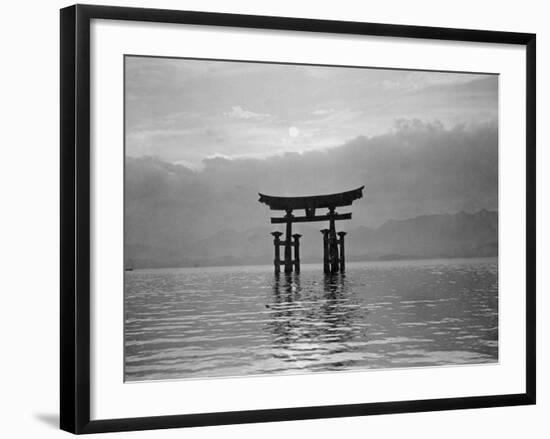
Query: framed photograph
{"points": [[274, 218]]}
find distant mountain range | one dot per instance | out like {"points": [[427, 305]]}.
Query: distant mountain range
{"points": [[427, 236]]}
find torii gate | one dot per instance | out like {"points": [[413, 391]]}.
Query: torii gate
{"points": [[333, 247]]}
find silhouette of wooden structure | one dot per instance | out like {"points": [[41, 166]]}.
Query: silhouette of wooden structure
{"points": [[333, 242]]}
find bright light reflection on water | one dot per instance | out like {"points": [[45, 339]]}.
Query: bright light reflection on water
{"points": [[238, 321]]}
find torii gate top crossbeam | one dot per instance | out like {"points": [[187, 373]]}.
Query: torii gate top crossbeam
{"points": [[312, 202]]}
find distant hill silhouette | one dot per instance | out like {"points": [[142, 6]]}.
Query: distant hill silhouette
{"points": [[427, 236]]}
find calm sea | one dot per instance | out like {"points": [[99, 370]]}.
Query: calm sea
{"points": [[235, 321]]}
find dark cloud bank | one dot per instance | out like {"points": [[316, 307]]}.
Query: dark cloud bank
{"points": [[176, 216]]}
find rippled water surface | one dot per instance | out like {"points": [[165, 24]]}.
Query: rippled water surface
{"points": [[233, 321]]}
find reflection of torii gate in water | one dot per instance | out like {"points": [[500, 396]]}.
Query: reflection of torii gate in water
{"points": [[333, 247]]}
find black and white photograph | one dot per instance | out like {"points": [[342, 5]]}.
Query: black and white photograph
{"points": [[293, 218], [275, 219]]}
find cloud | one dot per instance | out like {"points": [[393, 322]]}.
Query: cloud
{"points": [[323, 111], [417, 168], [238, 112], [174, 105]]}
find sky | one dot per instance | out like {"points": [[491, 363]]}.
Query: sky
{"points": [[184, 111], [204, 137]]}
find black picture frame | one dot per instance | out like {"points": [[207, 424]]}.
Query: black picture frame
{"points": [[75, 217]]}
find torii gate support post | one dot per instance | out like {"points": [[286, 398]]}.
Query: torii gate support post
{"points": [[296, 237], [277, 245], [326, 251], [333, 242], [288, 242], [342, 252]]}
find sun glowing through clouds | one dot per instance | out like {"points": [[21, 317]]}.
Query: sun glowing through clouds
{"points": [[293, 132]]}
